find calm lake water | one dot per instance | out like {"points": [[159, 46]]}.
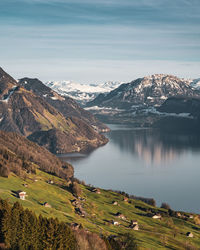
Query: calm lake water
{"points": [[147, 163]]}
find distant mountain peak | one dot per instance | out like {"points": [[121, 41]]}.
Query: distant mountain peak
{"points": [[150, 90]]}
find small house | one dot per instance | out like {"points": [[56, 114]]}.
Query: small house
{"points": [[115, 223], [134, 222], [125, 199], [120, 216], [25, 185], [115, 203], [50, 182], [191, 216], [156, 216], [189, 234], [178, 214], [21, 195], [96, 190], [135, 227], [47, 205]]}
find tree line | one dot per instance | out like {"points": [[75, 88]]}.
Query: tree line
{"points": [[22, 229]]}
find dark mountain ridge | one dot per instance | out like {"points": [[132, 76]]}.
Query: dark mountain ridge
{"points": [[24, 112], [182, 113], [181, 105]]}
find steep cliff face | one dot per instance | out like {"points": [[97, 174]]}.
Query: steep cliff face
{"points": [[149, 91], [66, 105], [26, 113]]}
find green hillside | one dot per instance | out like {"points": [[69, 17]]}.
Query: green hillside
{"points": [[165, 233]]}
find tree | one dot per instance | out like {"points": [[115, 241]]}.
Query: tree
{"points": [[165, 206], [4, 171], [76, 190]]}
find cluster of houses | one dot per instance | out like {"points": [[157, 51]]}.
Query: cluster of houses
{"points": [[133, 224], [78, 207], [183, 216]]}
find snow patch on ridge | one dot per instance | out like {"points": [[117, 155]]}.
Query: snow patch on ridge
{"points": [[7, 97]]}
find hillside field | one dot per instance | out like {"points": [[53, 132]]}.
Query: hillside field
{"points": [[165, 233]]}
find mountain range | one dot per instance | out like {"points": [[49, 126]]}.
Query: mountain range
{"points": [[26, 113], [155, 100], [147, 91], [82, 93]]}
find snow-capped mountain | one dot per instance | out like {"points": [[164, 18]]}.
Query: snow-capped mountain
{"points": [[82, 92], [196, 83], [147, 91]]}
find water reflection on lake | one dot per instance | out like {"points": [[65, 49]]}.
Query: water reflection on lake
{"points": [[144, 162]]}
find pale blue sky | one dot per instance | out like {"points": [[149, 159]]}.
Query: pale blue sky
{"points": [[99, 40]]}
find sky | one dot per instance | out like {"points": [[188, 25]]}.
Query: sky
{"points": [[92, 41]]}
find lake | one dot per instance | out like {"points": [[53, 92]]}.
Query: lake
{"points": [[144, 162]]}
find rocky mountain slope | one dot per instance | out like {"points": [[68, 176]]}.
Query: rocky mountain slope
{"points": [[64, 104], [82, 93], [147, 91], [24, 112]]}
